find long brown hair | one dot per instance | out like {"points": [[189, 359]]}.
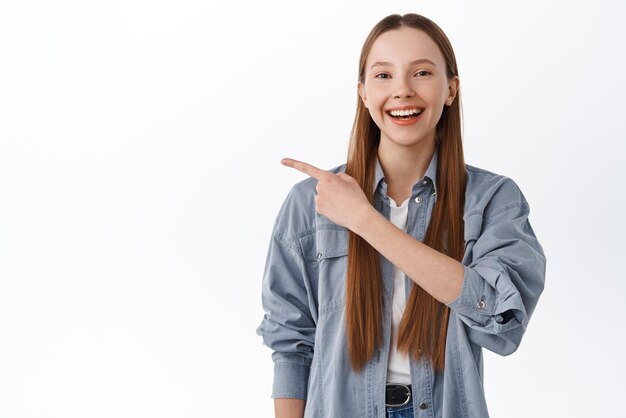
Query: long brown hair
{"points": [[423, 328]]}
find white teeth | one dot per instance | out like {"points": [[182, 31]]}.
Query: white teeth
{"points": [[405, 112]]}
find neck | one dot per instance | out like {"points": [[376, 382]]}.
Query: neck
{"points": [[404, 166]]}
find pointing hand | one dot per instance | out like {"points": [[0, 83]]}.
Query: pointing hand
{"points": [[339, 196]]}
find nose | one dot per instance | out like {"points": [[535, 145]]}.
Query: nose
{"points": [[403, 88]]}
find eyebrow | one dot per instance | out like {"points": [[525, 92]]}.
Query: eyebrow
{"points": [[388, 64]]}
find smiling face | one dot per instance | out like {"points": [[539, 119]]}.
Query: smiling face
{"points": [[405, 87]]}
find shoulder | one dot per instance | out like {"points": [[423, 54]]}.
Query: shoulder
{"points": [[488, 193], [298, 216]]}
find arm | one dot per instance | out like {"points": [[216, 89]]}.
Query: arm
{"points": [[289, 408], [437, 273], [494, 295], [341, 199], [504, 277], [288, 326]]}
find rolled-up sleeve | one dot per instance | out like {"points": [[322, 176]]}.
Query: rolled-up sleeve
{"points": [[288, 326], [503, 281]]}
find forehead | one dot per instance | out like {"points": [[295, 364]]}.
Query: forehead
{"points": [[404, 45]]}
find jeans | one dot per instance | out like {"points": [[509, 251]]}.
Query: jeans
{"points": [[405, 411]]}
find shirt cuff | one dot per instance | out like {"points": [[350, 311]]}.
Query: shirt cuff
{"points": [[290, 380], [479, 304], [475, 301]]}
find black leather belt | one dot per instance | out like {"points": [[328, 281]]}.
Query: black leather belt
{"points": [[397, 395]]}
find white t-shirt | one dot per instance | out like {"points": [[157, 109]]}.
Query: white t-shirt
{"points": [[398, 370]]}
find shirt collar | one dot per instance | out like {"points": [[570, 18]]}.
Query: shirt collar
{"points": [[431, 171]]}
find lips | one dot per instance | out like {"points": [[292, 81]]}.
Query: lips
{"points": [[406, 115]]}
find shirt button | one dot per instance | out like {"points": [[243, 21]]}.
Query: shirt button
{"points": [[418, 199], [423, 405], [481, 304], [319, 256]]}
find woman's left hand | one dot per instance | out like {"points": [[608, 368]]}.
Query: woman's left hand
{"points": [[339, 196]]}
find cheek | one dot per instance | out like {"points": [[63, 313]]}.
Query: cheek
{"points": [[375, 95], [376, 111], [432, 89], [434, 93], [376, 102]]}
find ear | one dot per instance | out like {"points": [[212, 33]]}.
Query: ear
{"points": [[453, 88], [361, 89]]}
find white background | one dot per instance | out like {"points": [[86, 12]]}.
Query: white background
{"points": [[139, 181]]}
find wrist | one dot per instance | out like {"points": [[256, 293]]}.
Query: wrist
{"points": [[363, 219]]}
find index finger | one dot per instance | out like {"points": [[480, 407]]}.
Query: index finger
{"points": [[306, 168]]}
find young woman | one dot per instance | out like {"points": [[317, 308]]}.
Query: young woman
{"points": [[386, 276]]}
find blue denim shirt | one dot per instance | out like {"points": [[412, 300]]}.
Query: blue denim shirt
{"points": [[304, 299]]}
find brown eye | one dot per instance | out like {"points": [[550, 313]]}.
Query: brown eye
{"points": [[382, 75], [422, 73]]}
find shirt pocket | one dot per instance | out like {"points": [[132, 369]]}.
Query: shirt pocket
{"points": [[328, 249]]}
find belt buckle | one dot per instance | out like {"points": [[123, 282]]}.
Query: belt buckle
{"points": [[408, 395]]}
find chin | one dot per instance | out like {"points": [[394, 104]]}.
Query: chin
{"points": [[408, 140]]}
